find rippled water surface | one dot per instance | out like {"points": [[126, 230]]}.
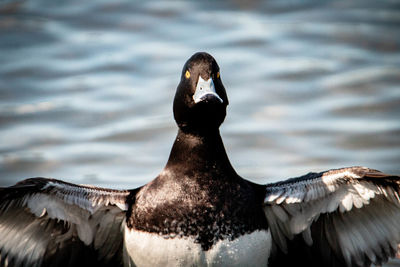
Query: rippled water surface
{"points": [[86, 87]]}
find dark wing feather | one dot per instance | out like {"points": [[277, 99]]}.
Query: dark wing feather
{"points": [[350, 215], [46, 222]]}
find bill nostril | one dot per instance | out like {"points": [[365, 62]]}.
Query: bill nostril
{"points": [[203, 88]]}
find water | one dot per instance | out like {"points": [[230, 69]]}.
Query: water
{"points": [[86, 88]]}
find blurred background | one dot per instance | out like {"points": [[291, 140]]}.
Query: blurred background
{"points": [[86, 88]]}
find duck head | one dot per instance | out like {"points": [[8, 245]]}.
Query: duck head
{"points": [[200, 101]]}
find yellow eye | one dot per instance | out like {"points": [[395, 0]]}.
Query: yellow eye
{"points": [[187, 74], [218, 75]]}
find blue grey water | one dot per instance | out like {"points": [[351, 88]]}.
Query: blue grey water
{"points": [[86, 87]]}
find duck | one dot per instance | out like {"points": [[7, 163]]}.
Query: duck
{"points": [[198, 211]]}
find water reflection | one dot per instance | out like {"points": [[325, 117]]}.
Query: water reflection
{"points": [[86, 89]]}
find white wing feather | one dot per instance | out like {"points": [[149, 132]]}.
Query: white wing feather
{"points": [[363, 204], [38, 216]]}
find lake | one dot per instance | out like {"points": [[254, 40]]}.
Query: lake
{"points": [[86, 88]]}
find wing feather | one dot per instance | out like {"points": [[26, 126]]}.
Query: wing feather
{"points": [[355, 211], [50, 222]]}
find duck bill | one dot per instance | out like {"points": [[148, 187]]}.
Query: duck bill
{"points": [[205, 91]]}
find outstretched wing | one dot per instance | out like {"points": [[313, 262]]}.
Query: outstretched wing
{"points": [[47, 222], [348, 216]]}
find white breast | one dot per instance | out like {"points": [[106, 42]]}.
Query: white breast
{"points": [[145, 249]]}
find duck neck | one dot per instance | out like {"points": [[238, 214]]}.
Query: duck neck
{"points": [[197, 154]]}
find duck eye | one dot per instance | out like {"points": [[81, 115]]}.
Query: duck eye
{"points": [[187, 74], [218, 75]]}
